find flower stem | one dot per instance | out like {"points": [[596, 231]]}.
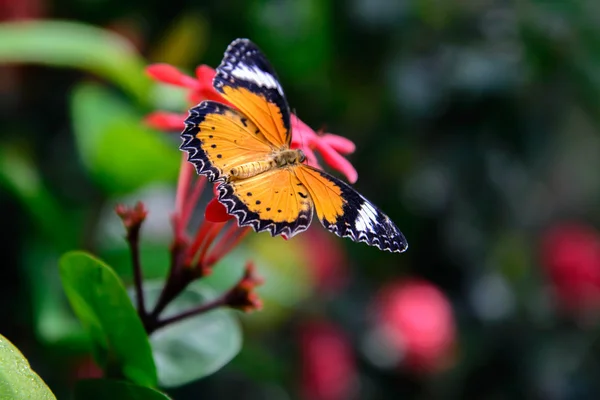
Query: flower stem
{"points": [[175, 282], [218, 302], [133, 238]]}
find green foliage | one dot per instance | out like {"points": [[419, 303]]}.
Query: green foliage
{"points": [[121, 154], [196, 347], [102, 389], [476, 126], [20, 176], [316, 41], [100, 301], [76, 45], [55, 323], [17, 380]]}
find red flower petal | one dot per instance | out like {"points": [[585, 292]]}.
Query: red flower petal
{"points": [[417, 320], [339, 143], [570, 254], [205, 75], [168, 74], [165, 121], [216, 212], [327, 361], [330, 146], [302, 134], [337, 162], [209, 93], [326, 259]]}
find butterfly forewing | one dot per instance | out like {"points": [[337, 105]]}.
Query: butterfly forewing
{"points": [[345, 212], [219, 138], [274, 201], [247, 80]]}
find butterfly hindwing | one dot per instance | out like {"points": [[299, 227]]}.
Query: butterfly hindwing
{"points": [[247, 80], [218, 138], [345, 212], [274, 201]]}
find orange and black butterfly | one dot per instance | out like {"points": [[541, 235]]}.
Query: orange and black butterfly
{"points": [[263, 182]]}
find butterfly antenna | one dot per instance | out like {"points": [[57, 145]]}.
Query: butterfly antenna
{"points": [[302, 143]]}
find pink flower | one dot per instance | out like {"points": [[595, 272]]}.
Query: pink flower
{"points": [[415, 320], [328, 364], [326, 259], [200, 87], [202, 250], [570, 254], [193, 256], [331, 147]]}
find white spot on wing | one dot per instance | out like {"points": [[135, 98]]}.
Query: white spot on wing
{"points": [[366, 218], [256, 75]]}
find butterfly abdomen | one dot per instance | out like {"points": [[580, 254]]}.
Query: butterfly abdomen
{"points": [[251, 169], [278, 160]]}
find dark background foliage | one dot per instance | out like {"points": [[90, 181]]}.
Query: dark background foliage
{"points": [[476, 125]]}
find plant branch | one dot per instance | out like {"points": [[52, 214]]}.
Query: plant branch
{"points": [[218, 302], [177, 280], [133, 238]]}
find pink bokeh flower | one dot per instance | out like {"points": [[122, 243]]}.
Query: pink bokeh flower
{"points": [[326, 260], [328, 364], [415, 320], [331, 147], [570, 255]]}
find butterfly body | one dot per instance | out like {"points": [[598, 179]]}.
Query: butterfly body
{"points": [[277, 160], [262, 181]]}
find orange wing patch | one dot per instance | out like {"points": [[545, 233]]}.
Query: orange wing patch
{"points": [[326, 194], [275, 201], [265, 114], [219, 138]]}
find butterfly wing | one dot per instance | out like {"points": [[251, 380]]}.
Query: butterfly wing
{"points": [[247, 80], [345, 212], [217, 138], [274, 201]]}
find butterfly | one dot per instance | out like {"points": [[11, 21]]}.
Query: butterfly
{"points": [[261, 180]]}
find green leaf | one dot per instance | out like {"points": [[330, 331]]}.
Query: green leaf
{"points": [[121, 154], [55, 323], [195, 347], [17, 379], [102, 389], [103, 307], [76, 45]]}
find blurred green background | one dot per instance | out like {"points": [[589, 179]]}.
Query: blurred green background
{"points": [[476, 125]]}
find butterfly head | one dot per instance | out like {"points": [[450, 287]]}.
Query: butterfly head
{"points": [[289, 157], [301, 156]]}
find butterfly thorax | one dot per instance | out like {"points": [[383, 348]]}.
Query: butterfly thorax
{"points": [[280, 159]]}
